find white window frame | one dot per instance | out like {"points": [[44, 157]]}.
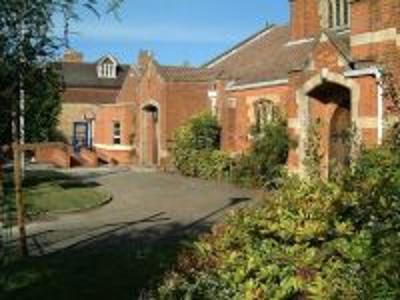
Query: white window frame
{"points": [[107, 67]]}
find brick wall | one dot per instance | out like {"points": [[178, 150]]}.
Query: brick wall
{"points": [[57, 154], [184, 100], [103, 132], [238, 114], [304, 19], [128, 93]]}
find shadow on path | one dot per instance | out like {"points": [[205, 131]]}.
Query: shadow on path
{"points": [[113, 261]]}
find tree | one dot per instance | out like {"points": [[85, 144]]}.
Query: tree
{"points": [[27, 47]]}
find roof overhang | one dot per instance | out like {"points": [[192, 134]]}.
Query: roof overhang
{"points": [[248, 86]]}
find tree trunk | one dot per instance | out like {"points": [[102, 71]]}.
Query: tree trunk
{"points": [[23, 247]]}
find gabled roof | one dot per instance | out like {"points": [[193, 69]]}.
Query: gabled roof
{"points": [[270, 55], [85, 75], [267, 56], [238, 47]]}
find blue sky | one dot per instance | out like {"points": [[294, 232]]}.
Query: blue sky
{"points": [[175, 30]]}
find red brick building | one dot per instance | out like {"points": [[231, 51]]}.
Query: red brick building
{"points": [[153, 102], [87, 86], [325, 66]]}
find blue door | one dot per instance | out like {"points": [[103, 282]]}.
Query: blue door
{"points": [[80, 138]]}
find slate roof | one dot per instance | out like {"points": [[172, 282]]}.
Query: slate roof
{"points": [[269, 55], [85, 75]]}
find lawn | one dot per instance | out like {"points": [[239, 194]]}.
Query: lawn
{"points": [[53, 191], [113, 272]]}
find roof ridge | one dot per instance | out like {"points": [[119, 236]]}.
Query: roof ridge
{"points": [[240, 44]]}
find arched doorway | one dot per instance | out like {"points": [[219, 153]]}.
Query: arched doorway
{"points": [[339, 139], [330, 107], [318, 99], [150, 135]]}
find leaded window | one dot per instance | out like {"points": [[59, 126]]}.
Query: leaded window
{"points": [[338, 14]]}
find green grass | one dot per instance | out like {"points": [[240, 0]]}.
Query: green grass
{"points": [[104, 270], [105, 273], [52, 191]]}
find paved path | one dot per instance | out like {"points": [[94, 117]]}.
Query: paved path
{"points": [[147, 206]]}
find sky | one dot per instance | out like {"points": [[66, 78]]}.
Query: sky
{"points": [[175, 31]]}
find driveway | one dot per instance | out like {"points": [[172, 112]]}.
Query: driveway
{"points": [[146, 207]]}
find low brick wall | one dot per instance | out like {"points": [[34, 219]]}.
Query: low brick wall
{"points": [[57, 154], [89, 158], [116, 157]]}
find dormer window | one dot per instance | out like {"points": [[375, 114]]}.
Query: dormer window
{"points": [[338, 14], [107, 67]]}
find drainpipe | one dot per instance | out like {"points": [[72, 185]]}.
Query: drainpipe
{"points": [[378, 75]]}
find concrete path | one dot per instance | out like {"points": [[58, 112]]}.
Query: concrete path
{"points": [[146, 206]]}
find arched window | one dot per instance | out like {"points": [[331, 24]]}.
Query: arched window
{"points": [[264, 112], [338, 10], [338, 14], [331, 15], [346, 12]]}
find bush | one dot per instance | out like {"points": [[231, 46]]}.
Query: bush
{"points": [[312, 240], [195, 148], [266, 157], [195, 152]]}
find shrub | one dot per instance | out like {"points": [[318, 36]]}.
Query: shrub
{"points": [[196, 144], [195, 148], [266, 157], [312, 240]]}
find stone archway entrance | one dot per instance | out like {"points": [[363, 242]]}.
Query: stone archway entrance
{"points": [[150, 135], [331, 101]]}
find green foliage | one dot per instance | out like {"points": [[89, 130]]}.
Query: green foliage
{"points": [[205, 132], [196, 144], [312, 161], [266, 157], [28, 44], [42, 105], [311, 240], [195, 148]]}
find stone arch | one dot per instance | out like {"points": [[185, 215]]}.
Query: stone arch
{"points": [[150, 133], [303, 100]]}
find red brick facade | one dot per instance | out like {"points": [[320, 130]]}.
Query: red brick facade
{"points": [[332, 75], [158, 99], [325, 66]]}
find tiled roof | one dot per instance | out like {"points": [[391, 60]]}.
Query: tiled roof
{"points": [[85, 75], [268, 56], [185, 74]]}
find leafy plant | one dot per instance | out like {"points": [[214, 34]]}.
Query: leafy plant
{"points": [[195, 148], [266, 157], [312, 240]]}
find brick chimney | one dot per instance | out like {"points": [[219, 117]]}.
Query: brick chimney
{"points": [[72, 56]]}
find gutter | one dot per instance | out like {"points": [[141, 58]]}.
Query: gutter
{"points": [[377, 73], [262, 84]]}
